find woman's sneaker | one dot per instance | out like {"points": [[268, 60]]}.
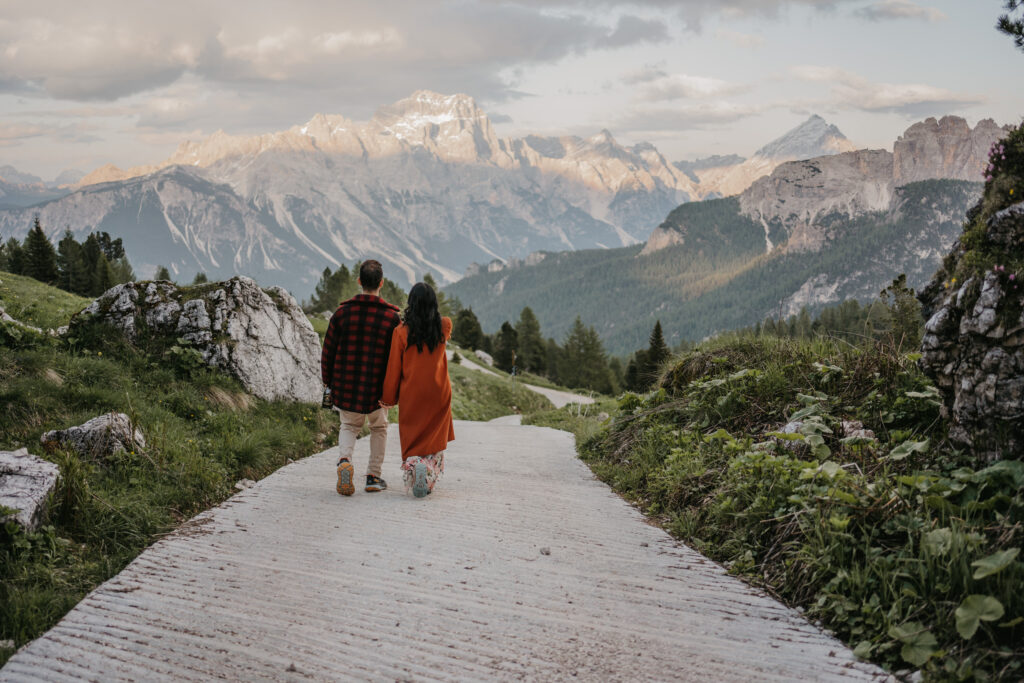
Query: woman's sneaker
{"points": [[374, 484], [345, 472], [420, 488]]}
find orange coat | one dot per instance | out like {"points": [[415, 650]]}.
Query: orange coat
{"points": [[418, 382]]}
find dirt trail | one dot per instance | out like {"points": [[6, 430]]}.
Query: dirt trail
{"points": [[520, 566]]}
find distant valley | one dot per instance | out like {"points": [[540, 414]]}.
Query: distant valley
{"points": [[812, 233]]}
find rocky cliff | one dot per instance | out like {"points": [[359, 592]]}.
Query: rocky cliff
{"points": [[974, 338], [947, 148]]}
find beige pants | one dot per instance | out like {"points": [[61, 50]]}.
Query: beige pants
{"points": [[352, 424]]}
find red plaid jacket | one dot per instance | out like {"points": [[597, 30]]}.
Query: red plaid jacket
{"points": [[355, 353]]}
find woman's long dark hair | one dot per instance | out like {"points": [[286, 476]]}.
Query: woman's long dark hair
{"points": [[423, 318]]}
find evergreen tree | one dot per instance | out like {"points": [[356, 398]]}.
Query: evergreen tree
{"points": [[631, 378], [487, 344], [40, 256], [443, 304], [553, 360], [103, 277], [1013, 26], [657, 351], [506, 346], [74, 277], [162, 273], [466, 330], [91, 253], [200, 278], [532, 349], [803, 324], [583, 363], [15, 256], [123, 271]]}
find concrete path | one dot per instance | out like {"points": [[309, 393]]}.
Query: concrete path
{"points": [[520, 566]]}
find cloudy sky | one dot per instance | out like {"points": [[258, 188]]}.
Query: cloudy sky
{"points": [[83, 84]]}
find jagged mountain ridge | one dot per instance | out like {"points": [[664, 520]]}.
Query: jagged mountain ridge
{"points": [[425, 185], [811, 233]]}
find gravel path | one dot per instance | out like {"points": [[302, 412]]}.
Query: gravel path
{"points": [[520, 566]]}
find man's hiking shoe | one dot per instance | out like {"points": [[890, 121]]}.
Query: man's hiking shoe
{"points": [[374, 484], [345, 473], [419, 480]]}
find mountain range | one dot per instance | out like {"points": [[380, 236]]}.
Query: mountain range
{"points": [[424, 185], [813, 232]]}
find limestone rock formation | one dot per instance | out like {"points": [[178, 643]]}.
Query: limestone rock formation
{"points": [[25, 483], [974, 347], [790, 202], [947, 148], [99, 437], [259, 336]]}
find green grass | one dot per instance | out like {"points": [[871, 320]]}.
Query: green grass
{"points": [[479, 396], [30, 301], [582, 421], [885, 540]]}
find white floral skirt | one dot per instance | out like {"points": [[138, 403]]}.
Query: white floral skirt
{"points": [[435, 467]]}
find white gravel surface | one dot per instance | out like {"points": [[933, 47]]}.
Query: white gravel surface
{"points": [[520, 566]]}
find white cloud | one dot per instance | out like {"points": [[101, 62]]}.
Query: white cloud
{"points": [[645, 119], [856, 92], [745, 40], [899, 9], [685, 86]]}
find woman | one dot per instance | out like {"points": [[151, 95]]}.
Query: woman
{"points": [[417, 380]]}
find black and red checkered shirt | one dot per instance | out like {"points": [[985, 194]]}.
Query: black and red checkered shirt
{"points": [[355, 354]]}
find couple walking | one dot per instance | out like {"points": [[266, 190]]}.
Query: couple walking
{"points": [[372, 360]]}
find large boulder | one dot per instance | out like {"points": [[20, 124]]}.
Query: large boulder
{"points": [[260, 336], [99, 437], [973, 345], [25, 484]]}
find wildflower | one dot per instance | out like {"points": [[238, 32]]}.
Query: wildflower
{"points": [[99, 353], [1013, 276]]}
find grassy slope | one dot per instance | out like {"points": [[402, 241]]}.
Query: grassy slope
{"points": [[882, 540], [36, 304], [204, 433]]}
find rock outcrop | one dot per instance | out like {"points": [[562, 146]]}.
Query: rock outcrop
{"points": [[259, 336], [100, 437], [25, 483], [947, 148], [974, 347]]}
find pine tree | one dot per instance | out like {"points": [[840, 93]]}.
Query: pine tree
{"points": [[15, 255], [103, 277], [199, 279], [532, 349], [40, 256], [657, 351], [123, 271], [505, 347], [162, 274], [443, 304], [553, 360], [74, 277], [466, 330], [1010, 25]]}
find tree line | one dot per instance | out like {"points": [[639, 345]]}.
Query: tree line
{"points": [[579, 362], [86, 268]]}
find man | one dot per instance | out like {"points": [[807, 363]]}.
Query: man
{"points": [[352, 365]]}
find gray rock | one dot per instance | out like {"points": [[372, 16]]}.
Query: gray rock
{"points": [[261, 337], [484, 356], [974, 351], [855, 429], [25, 483], [99, 437]]}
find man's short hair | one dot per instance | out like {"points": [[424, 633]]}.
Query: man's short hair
{"points": [[370, 274]]}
